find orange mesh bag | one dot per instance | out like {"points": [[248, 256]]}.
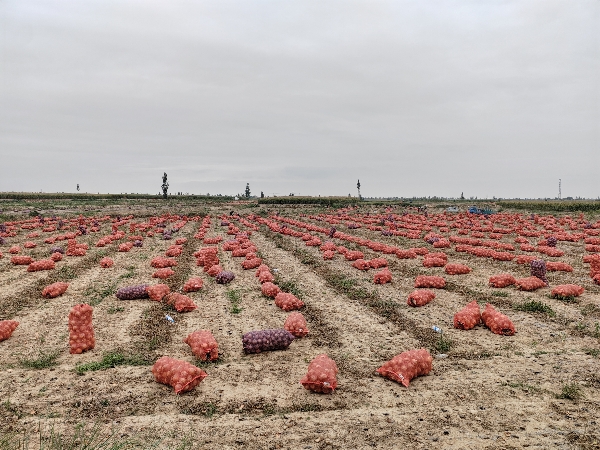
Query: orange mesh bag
{"points": [[174, 250], [433, 262], [214, 270], [163, 273], [594, 261], [81, 332], [42, 264], [502, 280], [56, 256], [158, 291], [193, 284], [420, 298], [353, 255], [407, 365], [328, 254], [567, 291], [558, 266], [125, 247], [468, 317], [160, 262], [438, 255], [382, 277], [210, 260], [14, 250], [204, 345], [430, 281], [181, 303], [295, 323], [6, 328], [497, 322], [321, 375], [361, 264], [530, 283], [106, 263], [29, 244], [269, 289], [288, 302], [266, 276], [55, 289], [180, 375], [251, 263], [180, 241], [21, 260], [525, 259], [378, 263], [262, 268], [457, 269]]}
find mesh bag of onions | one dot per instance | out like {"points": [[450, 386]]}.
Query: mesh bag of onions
{"points": [[269, 289], [55, 289], [502, 280], [125, 247], [295, 323], [353, 255], [361, 264], [181, 375], [157, 292], [420, 298], [193, 284], [430, 281], [163, 273], [14, 250], [56, 256], [266, 276], [328, 254], [6, 328], [214, 270], [266, 340], [566, 291], [21, 260], [262, 268], [160, 262], [407, 365], [558, 266], [538, 269], [457, 269], [181, 303], [378, 263], [497, 322], [321, 375], [42, 264], [288, 302], [224, 276], [203, 344], [251, 263], [468, 317], [133, 292], [382, 277], [81, 332], [433, 262], [530, 283], [106, 263]]}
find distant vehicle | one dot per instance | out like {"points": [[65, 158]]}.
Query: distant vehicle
{"points": [[452, 209], [476, 210]]}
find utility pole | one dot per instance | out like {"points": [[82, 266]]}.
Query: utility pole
{"points": [[559, 193], [358, 187]]}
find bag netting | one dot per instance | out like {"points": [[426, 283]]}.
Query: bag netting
{"points": [[430, 281], [251, 263], [193, 284], [56, 256], [42, 264], [6, 328], [433, 262], [558, 266], [295, 323], [457, 269], [407, 365], [157, 292], [530, 283], [163, 273], [21, 260], [214, 270], [538, 269], [224, 277], [378, 263], [287, 301], [181, 375], [468, 317], [160, 262], [81, 332], [269, 289], [181, 303], [266, 340], [420, 298], [382, 277], [321, 375], [328, 254], [203, 344], [564, 291], [55, 289], [132, 292], [361, 264], [502, 280], [497, 322]]}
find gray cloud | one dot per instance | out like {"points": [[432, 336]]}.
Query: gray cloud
{"points": [[414, 98]]}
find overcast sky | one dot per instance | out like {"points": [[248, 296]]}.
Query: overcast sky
{"points": [[414, 98]]}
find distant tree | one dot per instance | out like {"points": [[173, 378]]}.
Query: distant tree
{"points": [[358, 187], [247, 192], [165, 185], [262, 194], [462, 197]]}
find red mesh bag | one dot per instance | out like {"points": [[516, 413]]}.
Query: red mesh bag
{"points": [[204, 345], [266, 276], [181, 375], [21, 260], [420, 298], [497, 322], [251, 263], [239, 252], [174, 250], [14, 250], [295, 323], [163, 273], [210, 261], [160, 262], [106, 263], [468, 317], [125, 247], [1, 255], [328, 254], [42, 264], [433, 262], [442, 243], [457, 269], [564, 291], [353, 255], [262, 268], [180, 241], [596, 279], [502, 280], [81, 332], [55, 289], [530, 283], [212, 240], [269, 289], [430, 281], [382, 277], [6, 328], [321, 375], [378, 263], [405, 254], [29, 244], [361, 264], [193, 284], [558, 266], [288, 302], [157, 292], [407, 365], [181, 303], [438, 255], [525, 259], [56, 256], [214, 270]]}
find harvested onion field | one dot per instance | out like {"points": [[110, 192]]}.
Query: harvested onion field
{"points": [[538, 388]]}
